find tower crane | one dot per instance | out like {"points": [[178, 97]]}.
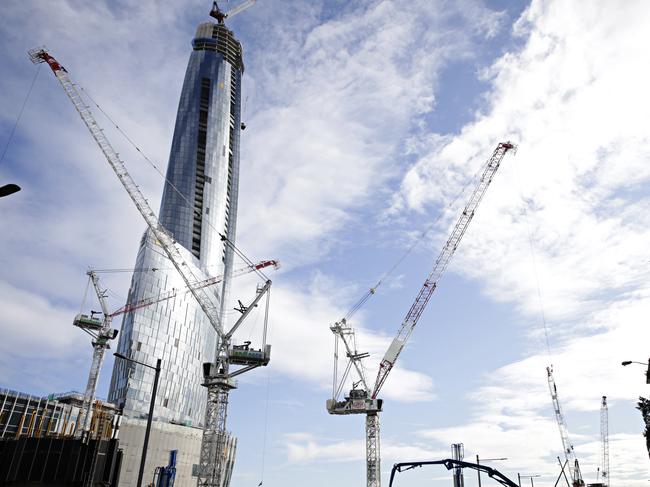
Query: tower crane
{"points": [[102, 334], [569, 452], [217, 376], [363, 400], [221, 16], [604, 439]]}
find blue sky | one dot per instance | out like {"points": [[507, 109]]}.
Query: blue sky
{"points": [[365, 119]]}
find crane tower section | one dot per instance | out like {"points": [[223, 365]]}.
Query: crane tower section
{"points": [[439, 267]]}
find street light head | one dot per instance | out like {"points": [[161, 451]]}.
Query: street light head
{"points": [[8, 189], [119, 355], [627, 362]]}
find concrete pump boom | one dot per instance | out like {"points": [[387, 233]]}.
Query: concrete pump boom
{"points": [[216, 376], [364, 401]]}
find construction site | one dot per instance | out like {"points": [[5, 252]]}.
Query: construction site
{"points": [[386, 207]]}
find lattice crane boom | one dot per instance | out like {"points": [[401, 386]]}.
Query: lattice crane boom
{"points": [[143, 303], [211, 309], [569, 452], [439, 267]]}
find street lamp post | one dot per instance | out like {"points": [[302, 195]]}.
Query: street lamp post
{"points": [[145, 445], [478, 472], [647, 372]]}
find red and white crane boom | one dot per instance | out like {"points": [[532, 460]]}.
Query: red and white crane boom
{"points": [[361, 400]]}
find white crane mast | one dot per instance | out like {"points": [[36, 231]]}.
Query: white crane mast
{"points": [[604, 439], [217, 377], [365, 401], [569, 452], [102, 333]]}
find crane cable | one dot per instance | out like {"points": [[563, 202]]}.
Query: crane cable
{"points": [[20, 114], [185, 200], [368, 294], [531, 244]]}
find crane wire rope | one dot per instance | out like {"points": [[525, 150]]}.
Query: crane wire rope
{"points": [[20, 114], [368, 294], [238, 252], [531, 244], [83, 300]]}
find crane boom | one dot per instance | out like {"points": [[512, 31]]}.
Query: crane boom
{"points": [[205, 283], [439, 267], [569, 452], [207, 304]]}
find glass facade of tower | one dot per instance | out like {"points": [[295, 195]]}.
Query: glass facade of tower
{"points": [[199, 203]]}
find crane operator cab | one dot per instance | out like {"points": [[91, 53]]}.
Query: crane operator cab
{"points": [[88, 322], [245, 355], [357, 402]]}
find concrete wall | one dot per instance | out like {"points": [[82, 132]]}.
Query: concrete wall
{"points": [[164, 437]]}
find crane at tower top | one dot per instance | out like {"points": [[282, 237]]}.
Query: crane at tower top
{"points": [[362, 399], [221, 16]]}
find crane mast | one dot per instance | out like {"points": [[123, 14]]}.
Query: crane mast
{"points": [[604, 439], [217, 377], [102, 333], [365, 401], [569, 452]]}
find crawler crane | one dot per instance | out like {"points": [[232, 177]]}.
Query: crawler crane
{"points": [[569, 453], [362, 399], [217, 376]]}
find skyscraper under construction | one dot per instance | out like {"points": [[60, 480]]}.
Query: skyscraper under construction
{"points": [[199, 203]]}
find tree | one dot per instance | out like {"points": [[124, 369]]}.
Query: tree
{"points": [[644, 406]]}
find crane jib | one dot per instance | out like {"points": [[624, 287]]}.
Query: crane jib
{"points": [[441, 263]]}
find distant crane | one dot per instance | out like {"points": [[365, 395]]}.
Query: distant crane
{"points": [[569, 453], [217, 376], [604, 440], [363, 400], [218, 14]]}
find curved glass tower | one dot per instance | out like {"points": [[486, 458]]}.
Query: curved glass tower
{"points": [[199, 203]]}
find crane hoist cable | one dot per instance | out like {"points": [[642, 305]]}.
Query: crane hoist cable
{"points": [[533, 257], [372, 291], [20, 115]]}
